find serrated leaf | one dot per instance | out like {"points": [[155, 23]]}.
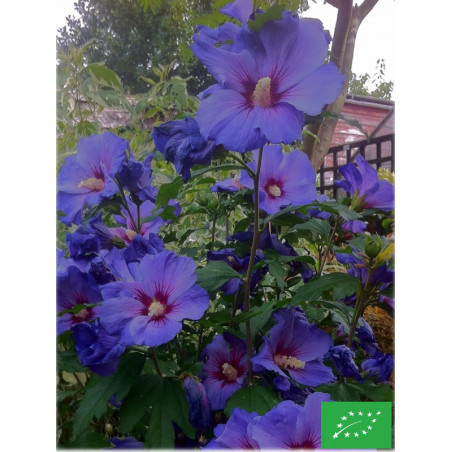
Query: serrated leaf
{"points": [[340, 285], [160, 434], [214, 275], [100, 389], [168, 404], [137, 402], [252, 399]]}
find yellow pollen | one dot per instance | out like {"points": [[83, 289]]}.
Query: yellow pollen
{"points": [[229, 372], [231, 259], [92, 183], [274, 190], [261, 94], [156, 309], [289, 361], [130, 233]]}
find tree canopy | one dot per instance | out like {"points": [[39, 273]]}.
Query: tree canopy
{"points": [[132, 36]]}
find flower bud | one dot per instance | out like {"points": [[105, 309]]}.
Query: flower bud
{"points": [[373, 246], [199, 413]]}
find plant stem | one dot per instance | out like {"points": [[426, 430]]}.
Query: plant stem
{"points": [[153, 356], [126, 205], [243, 164], [359, 309], [226, 221], [247, 283], [214, 223]]}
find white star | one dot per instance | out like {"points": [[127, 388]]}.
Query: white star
{"points": [[356, 434], [347, 434], [364, 432], [369, 414], [344, 418], [378, 413], [360, 413], [335, 436], [370, 428], [351, 413], [339, 425], [374, 420]]}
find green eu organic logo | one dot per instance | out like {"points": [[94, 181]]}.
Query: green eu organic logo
{"points": [[356, 425]]}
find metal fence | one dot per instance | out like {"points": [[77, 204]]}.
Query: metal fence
{"points": [[379, 152]]}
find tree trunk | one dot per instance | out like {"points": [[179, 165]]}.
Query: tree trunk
{"points": [[347, 24]]}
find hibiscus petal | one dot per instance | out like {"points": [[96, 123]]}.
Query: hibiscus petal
{"points": [[294, 47], [280, 123], [316, 90], [314, 374], [190, 305], [160, 332], [225, 117]]}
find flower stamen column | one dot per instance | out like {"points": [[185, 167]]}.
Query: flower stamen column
{"points": [[247, 282]]}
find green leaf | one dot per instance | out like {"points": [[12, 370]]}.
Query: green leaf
{"points": [[252, 399], [340, 285], [160, 434], [226, 166], [388, 292], [100, 389], [314, 225], [168, 404], [69, 362], [277, 271], [89, 440], [343, 312], [214, 275], [339, 209], [168, 191], [341, 392], [350, 122], [137, 402], [104, 76], [260, 316], [273, 13], [346, 391], [217, 317], [377, 393]]}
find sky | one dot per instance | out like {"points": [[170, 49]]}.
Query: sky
{"points": [[375, 38]]}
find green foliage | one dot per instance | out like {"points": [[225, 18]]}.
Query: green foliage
{"points": [[352, 391], [215, 274], [100, 389], [273, 13], [166, 402], [252, 399], [336, 285], [382, 89]]}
